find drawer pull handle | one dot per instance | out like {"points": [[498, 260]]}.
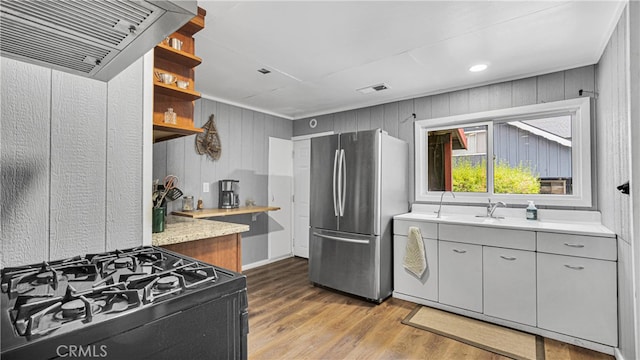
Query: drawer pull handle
{"points": [[575, 267], [574, 245], [459, 251], [507, 258]]}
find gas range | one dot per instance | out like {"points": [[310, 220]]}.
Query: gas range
{"points": [[134, 303]]}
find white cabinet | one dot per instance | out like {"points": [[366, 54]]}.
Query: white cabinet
{"points": [[557, 284], [577, 286], [460, 275], [577, 297], [509, 280], [405, 282]]}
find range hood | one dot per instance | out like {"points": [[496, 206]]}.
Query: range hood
{"points": [[96, 39]]}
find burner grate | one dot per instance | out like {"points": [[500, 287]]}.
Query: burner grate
{"points": [[39, 314], [40, 298]]}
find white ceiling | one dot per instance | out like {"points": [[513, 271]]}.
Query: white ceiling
{"points": [[321, 52]]}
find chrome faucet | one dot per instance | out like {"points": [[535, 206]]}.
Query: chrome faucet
{"points": [[442, 196], [493, 206]]}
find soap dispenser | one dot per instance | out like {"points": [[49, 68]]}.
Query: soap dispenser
{"points": [[532, 211]]}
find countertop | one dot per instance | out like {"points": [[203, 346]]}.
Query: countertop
{"points": [[206, 213], [180, 229], [569, 225]]}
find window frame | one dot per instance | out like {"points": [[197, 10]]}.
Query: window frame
{"points": [[580, 108]]}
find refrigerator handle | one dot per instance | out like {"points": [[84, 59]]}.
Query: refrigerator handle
{"points": [[333, 184], [337, 238], [343, 187]]}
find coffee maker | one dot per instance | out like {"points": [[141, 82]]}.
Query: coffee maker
{"points": [[228, 197]]}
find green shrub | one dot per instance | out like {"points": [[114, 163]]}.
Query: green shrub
{"points": [[467, 177], [507, 180], [514, 180]]}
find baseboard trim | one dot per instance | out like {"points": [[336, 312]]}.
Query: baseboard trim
{"points": [[264, 262]]}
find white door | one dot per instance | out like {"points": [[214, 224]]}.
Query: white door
{"points": [[301, 171], [280, 195]]}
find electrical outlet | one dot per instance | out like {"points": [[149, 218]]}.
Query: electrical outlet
{"points": [[205, 187]]}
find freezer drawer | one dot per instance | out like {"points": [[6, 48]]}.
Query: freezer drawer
{"points": [[345, 262]]}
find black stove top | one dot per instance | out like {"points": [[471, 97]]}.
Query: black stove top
{"points": [[47, 300]]}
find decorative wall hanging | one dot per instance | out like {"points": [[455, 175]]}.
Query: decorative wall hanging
{"points": [[208, 142]]}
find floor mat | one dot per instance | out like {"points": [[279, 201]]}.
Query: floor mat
{"points": [[487, 336]]}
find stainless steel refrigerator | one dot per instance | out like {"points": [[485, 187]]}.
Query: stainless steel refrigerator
{"points": [[359, 181]]}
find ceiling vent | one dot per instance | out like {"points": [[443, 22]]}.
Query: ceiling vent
{"points": [[96, 39], [373, 88]]}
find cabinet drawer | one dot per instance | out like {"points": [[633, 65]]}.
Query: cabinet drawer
{"points": [[578, 297], [427, 229], [578, 245], [460, 272], [509, 278], [406, 282], [505, 238]]}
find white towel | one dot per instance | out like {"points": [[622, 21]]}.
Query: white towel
{"points": [[415, 258]]}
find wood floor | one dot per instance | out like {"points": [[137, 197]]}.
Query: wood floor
{"points": [[291, 319]]}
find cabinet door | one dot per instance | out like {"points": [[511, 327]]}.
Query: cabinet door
{"points": [[509, 278], [405, 281], [577, 297], [460, 275]]}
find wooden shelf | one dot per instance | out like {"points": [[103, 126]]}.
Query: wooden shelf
{"points": [[206, 213], [181, 64], [176, 56], [162, 132], [176, 92], [194, 25]]}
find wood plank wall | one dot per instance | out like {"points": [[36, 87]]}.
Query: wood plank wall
{"points": [[517, 146], [71, 163], [634, 93], [396, 119], [78, 171], [244, 135], [614, 159], [613, 150], [125, 159]]}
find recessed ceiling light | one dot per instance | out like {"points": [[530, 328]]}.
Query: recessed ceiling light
{"points": [[478, 67]]}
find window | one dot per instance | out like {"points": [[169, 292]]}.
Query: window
{"points": [[538, 152], [533, 156], [457, 159]]}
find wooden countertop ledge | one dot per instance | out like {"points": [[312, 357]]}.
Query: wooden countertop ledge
{"points": [[182, 229], [206, 213]]}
